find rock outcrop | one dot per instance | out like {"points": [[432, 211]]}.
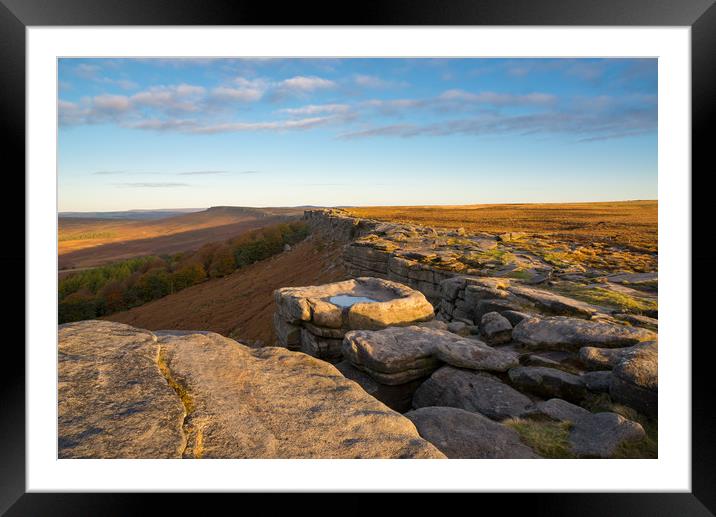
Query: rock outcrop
{"points": [[314, 319], [126, 393]]}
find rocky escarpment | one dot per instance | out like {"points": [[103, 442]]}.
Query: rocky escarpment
{"points": [[608, 278], [518, 333], [130, 393]]}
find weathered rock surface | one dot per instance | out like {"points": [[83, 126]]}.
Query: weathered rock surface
{"points": [[124, 394], [495, 328], [395, 355], [113, 401], [635, 379], [548, 382], [475, 355], [593, 435], [602, 358], [462, 434], [473, 391], [565, 333], [561, 410]]}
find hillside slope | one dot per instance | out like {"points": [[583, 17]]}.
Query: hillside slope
{"points": [[240, 304]]}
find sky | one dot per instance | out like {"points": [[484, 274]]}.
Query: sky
{"points": [[193, 133]]}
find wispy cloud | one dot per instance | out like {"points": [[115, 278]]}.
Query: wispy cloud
{"points": [[591, 126], [152, 185]]}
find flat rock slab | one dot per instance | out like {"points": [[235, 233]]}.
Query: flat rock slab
{"points": [[552, 302], [206, 396], [593, 435], [475, 355], [113, 401], [595, 358], [548, 382], [395, 355], [571, 334], [472, 391], [635, 379], [462, 434]]}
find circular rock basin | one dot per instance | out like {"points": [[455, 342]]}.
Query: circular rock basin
{"points": [[315, 318]]}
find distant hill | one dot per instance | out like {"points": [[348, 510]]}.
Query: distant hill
{"points": [[92, 241], [131, 214]]}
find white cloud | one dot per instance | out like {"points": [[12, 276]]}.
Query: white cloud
{"points": [[305, 84], [236, 94], [314, 109], [372, 81]]}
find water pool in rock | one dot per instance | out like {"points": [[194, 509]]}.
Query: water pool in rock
{"points": [[344, 300]]}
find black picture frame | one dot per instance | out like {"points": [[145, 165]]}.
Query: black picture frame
{"points": [[700, 15]]}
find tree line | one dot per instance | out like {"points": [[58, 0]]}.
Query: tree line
{"points": [[122, 285]]}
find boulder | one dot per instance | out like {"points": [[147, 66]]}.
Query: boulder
{"points": [[462, 434], [635, 379], [600, 435], [395, 355], [472, 391], [475, 355], [592, 435], [565, 333], [548, 382], [495, 328], [125, 394]]}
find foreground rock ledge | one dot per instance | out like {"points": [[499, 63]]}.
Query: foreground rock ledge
{"points": [[124, 393]]}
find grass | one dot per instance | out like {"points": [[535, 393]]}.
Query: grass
{"points": [[549, 439], [609, 298], [480, 258], [519, 274]]}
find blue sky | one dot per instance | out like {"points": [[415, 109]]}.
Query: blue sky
{"points": [[180, 133]]}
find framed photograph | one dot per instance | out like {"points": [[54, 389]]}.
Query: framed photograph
{"points": [[413, 251]]}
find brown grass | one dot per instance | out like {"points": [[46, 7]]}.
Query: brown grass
{"points": [[628, 223], [240, 304]]}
